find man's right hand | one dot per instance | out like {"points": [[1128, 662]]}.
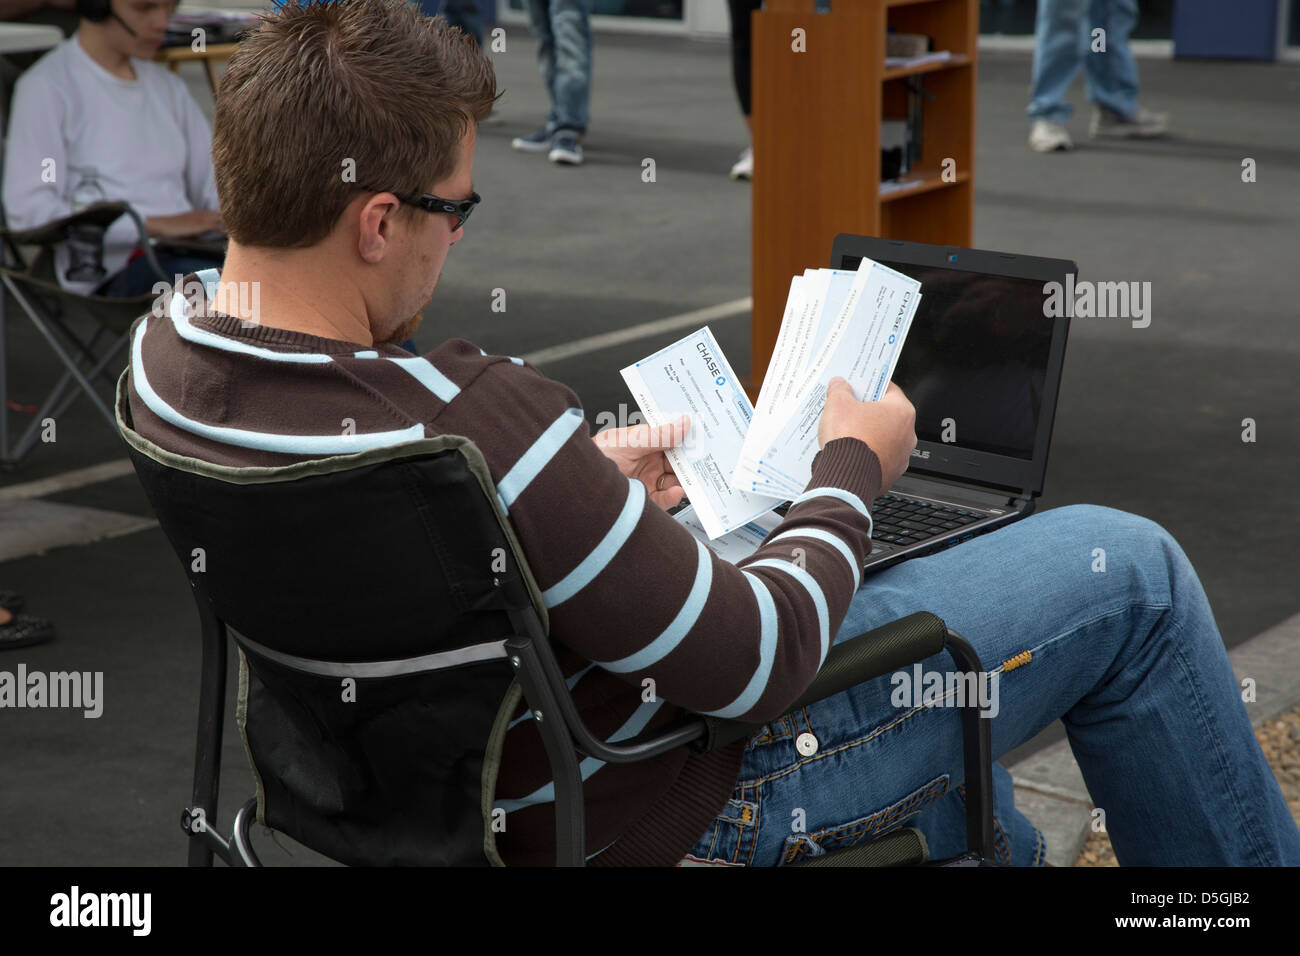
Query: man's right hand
{"points": [[887, 426], [191, 223]]}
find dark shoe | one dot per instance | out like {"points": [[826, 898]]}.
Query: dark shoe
{"points": [[567, 149], [1145, 124], [538, 141], [24, 631], [11, 601]]}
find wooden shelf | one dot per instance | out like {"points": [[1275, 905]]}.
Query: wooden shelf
{"points": [[818, 107], [920, 181], [898, 72]]}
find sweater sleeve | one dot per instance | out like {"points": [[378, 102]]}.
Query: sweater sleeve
{"points": [[627, 587]]}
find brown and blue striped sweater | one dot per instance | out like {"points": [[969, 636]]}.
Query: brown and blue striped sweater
{"points": [[629, 593]]}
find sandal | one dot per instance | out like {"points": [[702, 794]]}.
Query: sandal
{"points": [[24, 631], [12, 601]]}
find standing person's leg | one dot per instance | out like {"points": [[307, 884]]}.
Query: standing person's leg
{"points": [[742, 74], [466, 15], [571, 23], [1128, 657], [1058, 33], [741, 62], [1058, 46], [539, 16], [1113, 76]]}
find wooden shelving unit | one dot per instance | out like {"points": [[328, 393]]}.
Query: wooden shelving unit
{"points": [[816, 119]]}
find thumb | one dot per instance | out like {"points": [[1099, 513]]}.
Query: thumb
{"points": [[839, 387], [671, 434]]}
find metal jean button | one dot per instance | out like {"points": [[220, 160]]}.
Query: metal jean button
{"points": [[806, 744]]}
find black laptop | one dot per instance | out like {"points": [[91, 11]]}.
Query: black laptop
{"points": [[982, 365]]}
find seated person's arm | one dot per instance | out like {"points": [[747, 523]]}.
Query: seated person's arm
{"points": [[192, 223], [200, 184], [629, 588], [36, 173]]}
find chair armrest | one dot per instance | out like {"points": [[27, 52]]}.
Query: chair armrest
{"points": [[849, 663], [101, 214]]}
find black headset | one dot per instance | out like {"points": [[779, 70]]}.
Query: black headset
{"points": [[97, 11]]}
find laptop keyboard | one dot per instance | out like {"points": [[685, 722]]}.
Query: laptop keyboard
{"points": [[899, 520]]}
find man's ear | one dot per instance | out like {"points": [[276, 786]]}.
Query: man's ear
{"points": [[375, 219]]}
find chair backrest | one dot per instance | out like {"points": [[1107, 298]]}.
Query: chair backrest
{"points": [[321, 570]]}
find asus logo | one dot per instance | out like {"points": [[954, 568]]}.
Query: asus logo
{"points": [[917, 453]]}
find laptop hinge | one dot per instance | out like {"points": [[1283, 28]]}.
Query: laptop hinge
{"points": [[976, 495]]}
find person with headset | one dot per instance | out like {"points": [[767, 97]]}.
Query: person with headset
{"points": [[96, 119]]}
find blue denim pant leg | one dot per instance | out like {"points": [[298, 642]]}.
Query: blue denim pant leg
{"points": [[563, 29], [137, 277], [466, 15], [1126, 653], [1112, 76], [1059, 45]]}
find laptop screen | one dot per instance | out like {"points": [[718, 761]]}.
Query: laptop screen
{"points": [[975, 362]]}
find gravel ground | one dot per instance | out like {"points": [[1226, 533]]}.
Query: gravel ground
{"points": [[1280, 741]]}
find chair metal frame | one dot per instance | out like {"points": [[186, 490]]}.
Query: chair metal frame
{"points": [[28, 278]]}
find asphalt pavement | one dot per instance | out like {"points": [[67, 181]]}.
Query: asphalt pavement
{"points": [[1150, 419]]}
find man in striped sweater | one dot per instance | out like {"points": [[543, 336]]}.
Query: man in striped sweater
{"points": [[320, 374], [343, 153]]}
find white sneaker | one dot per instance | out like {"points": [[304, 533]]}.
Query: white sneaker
{"points": [[744, 168], [1046, 136], [1146, 123]]}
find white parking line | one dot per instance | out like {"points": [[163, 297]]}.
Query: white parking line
{"points": [[645, 330], [69, 480]]}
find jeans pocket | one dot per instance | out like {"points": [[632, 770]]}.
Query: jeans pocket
{"points": [[731, 838], [770, 733], [842, 836]]}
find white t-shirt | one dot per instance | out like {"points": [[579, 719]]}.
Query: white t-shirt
{"points": [[146, 139]]}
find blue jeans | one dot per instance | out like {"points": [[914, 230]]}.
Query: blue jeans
{"points": [[466, 15], [1129, 658], [1064, 40], [137, 278], [563, 29]]}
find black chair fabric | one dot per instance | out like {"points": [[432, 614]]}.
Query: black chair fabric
{"points": [[388, 561]]}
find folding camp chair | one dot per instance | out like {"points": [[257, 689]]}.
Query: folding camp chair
{"points": [[382, 651], [59, 314]]}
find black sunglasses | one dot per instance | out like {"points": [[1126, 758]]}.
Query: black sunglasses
{"points": [[460, 208]]}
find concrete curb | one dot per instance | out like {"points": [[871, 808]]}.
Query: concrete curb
{"points": [[1049, 786]]}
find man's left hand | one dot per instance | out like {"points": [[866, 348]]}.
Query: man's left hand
{"points": [[638, 452]]}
